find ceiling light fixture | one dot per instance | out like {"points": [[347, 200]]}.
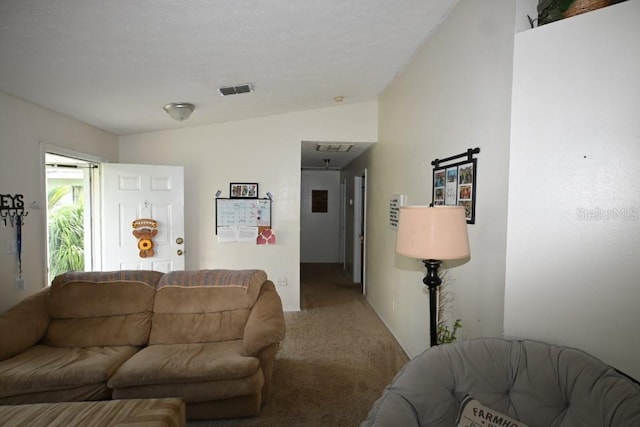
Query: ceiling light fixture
{"points": [[179, 111]]}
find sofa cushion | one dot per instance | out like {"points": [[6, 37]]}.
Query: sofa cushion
{"points": [[23, 325], [185, 363], [249, 280], [265, 325], [204, 305], [89, 309], [43, 369], [194, 392], [179, 328]]}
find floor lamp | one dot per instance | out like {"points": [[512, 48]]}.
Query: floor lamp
{"points": [[432, 234]]}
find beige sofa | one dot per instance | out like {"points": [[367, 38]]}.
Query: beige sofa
{"points": [[207, 336]]}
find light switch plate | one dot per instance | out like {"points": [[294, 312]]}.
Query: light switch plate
{"points": [[11, 246]]}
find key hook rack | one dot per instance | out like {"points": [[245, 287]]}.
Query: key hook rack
{"points": [[12, 209]]}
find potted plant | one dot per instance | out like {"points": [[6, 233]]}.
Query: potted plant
{"points": [[446, 334], [554, 10]]}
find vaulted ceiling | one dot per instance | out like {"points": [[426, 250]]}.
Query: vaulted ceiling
{"points": [[114, 64]]}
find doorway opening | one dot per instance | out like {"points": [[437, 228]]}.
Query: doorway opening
{"points": [[71, 214]]}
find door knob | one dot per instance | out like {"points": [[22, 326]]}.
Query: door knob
{"points": [[180, 252], [179, 240]]}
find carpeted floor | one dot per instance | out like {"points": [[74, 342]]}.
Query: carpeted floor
{"points": [[334, 362]]}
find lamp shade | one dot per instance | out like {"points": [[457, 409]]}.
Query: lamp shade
{"points": [[432, 232]]}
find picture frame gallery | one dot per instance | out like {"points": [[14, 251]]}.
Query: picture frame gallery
{"points": [[243, 190], [454, 182]]}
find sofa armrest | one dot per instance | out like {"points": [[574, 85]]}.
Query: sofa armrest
{"points": [[266, 324], [23, 325]]}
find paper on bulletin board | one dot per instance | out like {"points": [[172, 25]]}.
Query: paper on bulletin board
{"points": [[247, 234], [232, 234], [227, 234]]}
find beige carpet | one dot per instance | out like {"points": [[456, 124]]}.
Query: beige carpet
{"points": [[335, 360]]}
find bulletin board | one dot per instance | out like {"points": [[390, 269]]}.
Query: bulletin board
{"points": [[243, 213]]}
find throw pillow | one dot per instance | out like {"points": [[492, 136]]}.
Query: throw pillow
{"points": [[475, 414]]}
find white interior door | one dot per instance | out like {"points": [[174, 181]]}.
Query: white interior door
{"points": [[131, 192], [359, 228]]}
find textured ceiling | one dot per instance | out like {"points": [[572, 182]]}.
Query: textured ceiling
{"points": [[114, 64], [314, 159]]}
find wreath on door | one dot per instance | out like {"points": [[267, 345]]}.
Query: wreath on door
{"points": [[145, 229]]}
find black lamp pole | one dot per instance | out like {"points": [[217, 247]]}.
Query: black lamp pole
{"points": [[432, 280]]}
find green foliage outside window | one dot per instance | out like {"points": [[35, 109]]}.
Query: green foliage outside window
{"points": [[66, 234]]}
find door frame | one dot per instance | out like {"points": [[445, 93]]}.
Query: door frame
{"points": [[343, 222], [95, 202], [360, 224]]}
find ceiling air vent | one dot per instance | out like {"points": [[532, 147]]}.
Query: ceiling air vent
{"points": [[334, 148], [235, 90]]}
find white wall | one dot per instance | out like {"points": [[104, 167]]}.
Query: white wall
{"points": [[454, 94], [526, 9], [320, 231], [265, 150], [574, 192], [23, 126]]}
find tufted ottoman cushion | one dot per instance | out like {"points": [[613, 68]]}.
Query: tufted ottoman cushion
{"points": [[533, 382], [133, 413]]}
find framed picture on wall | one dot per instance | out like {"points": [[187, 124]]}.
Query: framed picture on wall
{"points": [[243, 190], [319, 201], [454, 184]]}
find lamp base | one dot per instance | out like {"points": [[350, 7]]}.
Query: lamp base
{"points": [[432, 280]]}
